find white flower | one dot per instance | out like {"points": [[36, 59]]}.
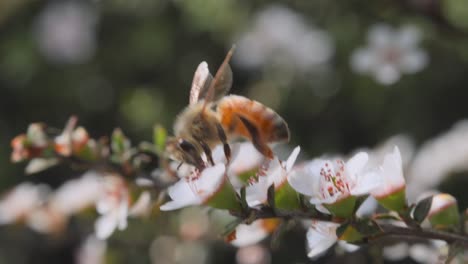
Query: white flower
{"points": [[320, 237], [390, 53], [396, 252], [280, 36], [391, 173], [112, 205], [92, 251], [438, 158], [277, 174], [244, 158], [328, 181], [196, 190], [66, 32], [77, 194], [21, 201], [246, 235]]}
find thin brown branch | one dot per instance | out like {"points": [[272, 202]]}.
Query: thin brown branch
{"points": [[392, 230], [388, 230]]}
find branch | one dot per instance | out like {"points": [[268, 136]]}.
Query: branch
{"points": [[392, 230], [387, 229], [267, 212]]}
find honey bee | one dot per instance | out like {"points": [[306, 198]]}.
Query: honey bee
{"points": [[212, 117]]}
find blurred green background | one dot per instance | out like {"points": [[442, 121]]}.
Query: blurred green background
{"points": [[129, 64]]}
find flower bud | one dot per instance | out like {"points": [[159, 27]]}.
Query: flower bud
{"points": [[444, 212]]}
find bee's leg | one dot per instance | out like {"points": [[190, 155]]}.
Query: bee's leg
{"points": [[223, 138], [257, 141], [207, 151]]}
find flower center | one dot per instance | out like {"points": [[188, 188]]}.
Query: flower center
{"points": [[333, 180], [392, 55]]}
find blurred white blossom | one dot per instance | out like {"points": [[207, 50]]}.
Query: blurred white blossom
{"points": [[246, 235], [113, 206], [390, 53], [438, 158], [280, 36], [19, 203], [92, 251], [77, 194], [254, 254], [435, 251], [66, 31]]}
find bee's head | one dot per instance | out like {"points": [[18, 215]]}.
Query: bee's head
{"points": [[185, 151]]}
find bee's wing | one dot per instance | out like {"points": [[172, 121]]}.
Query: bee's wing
{"points": [[200, 83], [222, 82]]}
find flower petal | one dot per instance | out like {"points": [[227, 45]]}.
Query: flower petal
{"points": [[320, 238], [247, 235], [292, 158], [195, 191], [391, 173], [387, 74], [413, 61], [305, 179], [356, 164], [105, 226]]}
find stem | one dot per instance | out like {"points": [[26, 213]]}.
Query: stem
{"points": [[267, 212], [392, 230], [388, 230]]}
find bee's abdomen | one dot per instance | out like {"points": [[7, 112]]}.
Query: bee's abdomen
{"points": [[271, 127]]}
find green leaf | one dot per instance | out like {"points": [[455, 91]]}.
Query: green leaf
{"points": [[395, 201], [159, 138], [347, 232], [367, 227], [422, 209], [242, 199], [230, 227], [224, 198], [343, 208], [119, 143], [287, 198], [341, 229], [271, 196]]}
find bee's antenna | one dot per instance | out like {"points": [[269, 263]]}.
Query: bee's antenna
{"points": [[219, 73]]}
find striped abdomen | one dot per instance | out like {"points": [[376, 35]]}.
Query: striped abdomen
{"points": [[241, 116]]}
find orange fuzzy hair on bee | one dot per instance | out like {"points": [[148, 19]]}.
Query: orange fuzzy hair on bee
{"points": [[237, 112]]}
